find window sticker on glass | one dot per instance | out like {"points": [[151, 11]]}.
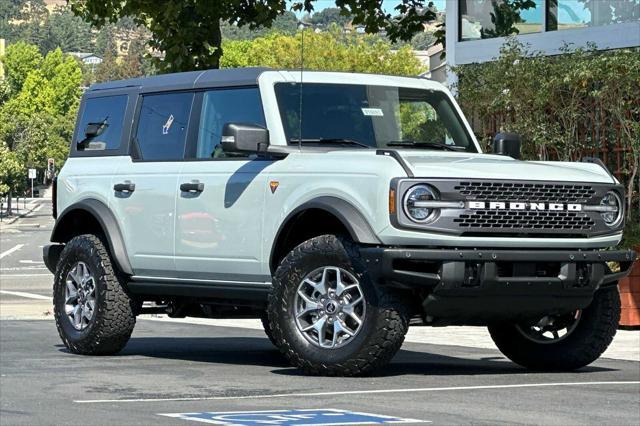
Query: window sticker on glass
{"points": [[167, 125], [373, 112]]}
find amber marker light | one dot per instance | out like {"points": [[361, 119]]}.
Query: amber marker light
{"points": [[392, 201]]}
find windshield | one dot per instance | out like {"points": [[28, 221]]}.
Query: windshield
{"points": [[375, 116]]}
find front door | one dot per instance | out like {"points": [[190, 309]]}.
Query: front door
{"points": [[219, 209], [145, 187]]}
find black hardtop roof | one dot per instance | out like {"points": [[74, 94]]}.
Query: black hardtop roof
{"points": [[187, 80]]}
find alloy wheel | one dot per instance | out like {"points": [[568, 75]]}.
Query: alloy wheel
{"points": [[80, 296], [329, 307]]}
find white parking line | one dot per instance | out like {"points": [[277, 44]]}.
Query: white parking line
{"points": [[24, 275], [27, 295], [11, 250], [354, 392]]}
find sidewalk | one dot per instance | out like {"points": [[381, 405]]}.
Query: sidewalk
{"points": [[24, 207]]}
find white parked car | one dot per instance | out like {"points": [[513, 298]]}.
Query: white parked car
{"points": [[336, 207]]}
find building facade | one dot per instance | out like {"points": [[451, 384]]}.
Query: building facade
{"points": [[476, 29]]}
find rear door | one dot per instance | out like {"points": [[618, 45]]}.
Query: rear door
{"points": [[219, 225], [146, 184]]}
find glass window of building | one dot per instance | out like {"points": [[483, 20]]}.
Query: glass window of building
{"points": [[499, 18], [569, 14]]}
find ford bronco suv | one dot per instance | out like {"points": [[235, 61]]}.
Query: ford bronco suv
{"points": [[338, 208]]}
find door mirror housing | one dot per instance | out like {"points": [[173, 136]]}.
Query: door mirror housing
{"points": [[507, 144], [92, 130], [244, 137]]}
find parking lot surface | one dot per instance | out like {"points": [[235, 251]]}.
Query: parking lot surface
{"points": [[181, 367], [184, 368]]}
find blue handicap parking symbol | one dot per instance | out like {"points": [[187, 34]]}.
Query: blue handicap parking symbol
{"points": [[323, 417]]}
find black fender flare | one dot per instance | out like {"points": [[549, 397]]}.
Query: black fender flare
{"points": [[354, 222], [109, 225]]}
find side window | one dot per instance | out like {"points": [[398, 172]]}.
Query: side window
{"points": [[223, 106], [105, 116], [162, 126]]}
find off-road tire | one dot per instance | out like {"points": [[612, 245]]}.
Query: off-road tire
{"points": [[591, 337], [383, 329], [267, 329], [114, 315]]}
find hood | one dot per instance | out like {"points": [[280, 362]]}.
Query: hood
{"points": [[489, 166]]}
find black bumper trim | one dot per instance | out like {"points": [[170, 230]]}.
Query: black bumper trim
{"points": [[51, 255], [381, 260], [479, 286]]}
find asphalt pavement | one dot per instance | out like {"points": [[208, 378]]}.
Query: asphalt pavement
{"points": [[182, 369]]}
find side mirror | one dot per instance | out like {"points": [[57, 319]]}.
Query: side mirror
{"points": [[92, 130], [507, 144], [244, 137]]}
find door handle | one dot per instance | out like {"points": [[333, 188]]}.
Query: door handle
{"points": [[194, 186], [124, 187]]}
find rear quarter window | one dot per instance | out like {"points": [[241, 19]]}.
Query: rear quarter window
{"points": [[108, 113]]}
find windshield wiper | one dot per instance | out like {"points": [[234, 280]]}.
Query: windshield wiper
{"points": [[432, 145], [337, 141]]}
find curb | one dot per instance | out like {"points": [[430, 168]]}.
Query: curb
{"points": [[12, 219]]}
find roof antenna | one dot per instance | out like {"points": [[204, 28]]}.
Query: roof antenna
{"points": [[301, 74]]}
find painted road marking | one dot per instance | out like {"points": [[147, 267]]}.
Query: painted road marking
{"points": [[322, 417], [11, 250], [31, 261], [27, 295], [24, 275], [355, 392]]}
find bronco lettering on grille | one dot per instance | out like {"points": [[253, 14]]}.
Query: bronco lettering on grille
{"points": [[501, 205]]}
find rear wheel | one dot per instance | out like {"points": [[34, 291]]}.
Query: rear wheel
{"points": [[562, 342], [326, 315], [94, 314]]}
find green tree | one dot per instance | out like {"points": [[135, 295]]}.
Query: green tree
{"points": [[286, 23], [36, 123], [54, 87], [62, 29], [20, 58], [12, 170], [188, 32], [328, 16], [330, 50], [423, 41]]}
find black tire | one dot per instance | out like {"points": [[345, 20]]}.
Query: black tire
{"points": [[267, 329], [590, 338], [114, 316], [382, 331]]}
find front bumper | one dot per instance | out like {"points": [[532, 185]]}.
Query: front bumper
{"points": [[483, 285], [51, 255]]}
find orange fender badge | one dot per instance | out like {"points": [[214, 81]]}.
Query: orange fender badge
{"points": [[273, 185]]}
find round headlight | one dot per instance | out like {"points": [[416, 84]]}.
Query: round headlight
{"points": [[412, 201], [613, 212]]}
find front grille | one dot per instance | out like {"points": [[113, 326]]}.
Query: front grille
{"points": [[520, 191], [537, 221]]}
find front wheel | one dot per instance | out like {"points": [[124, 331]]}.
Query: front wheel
{"points": [[326, 315], [563, 342]]}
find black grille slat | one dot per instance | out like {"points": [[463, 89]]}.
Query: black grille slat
{"points": [[525, 220], [513, 191]]}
